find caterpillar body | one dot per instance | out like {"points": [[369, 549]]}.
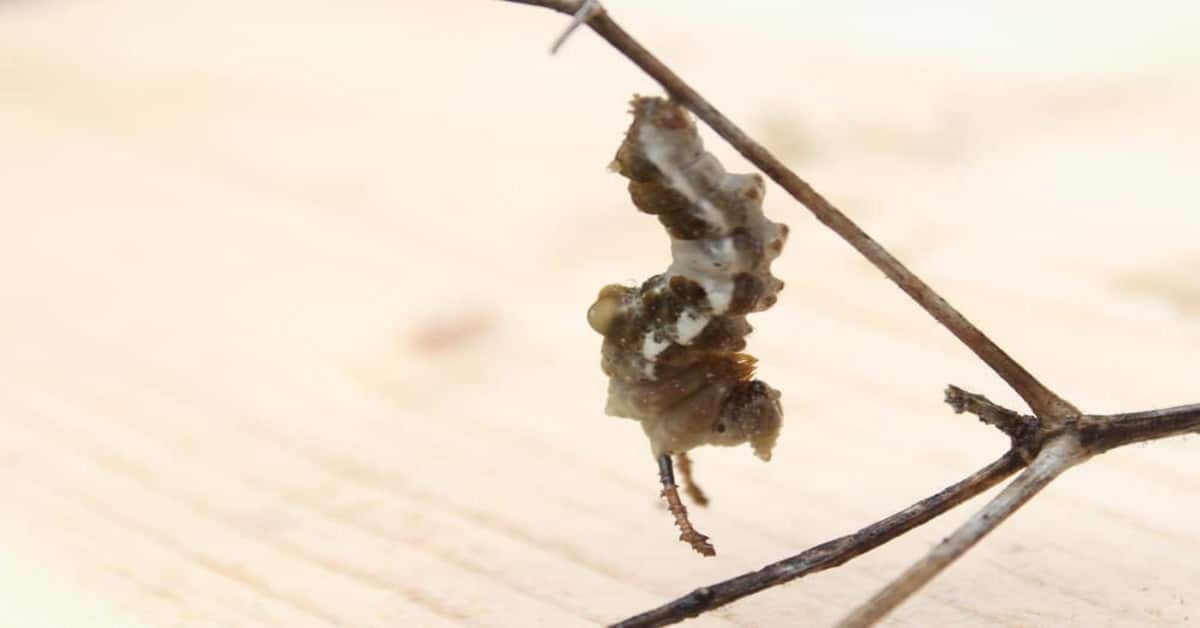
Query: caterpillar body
{"points": [[673, 345]]}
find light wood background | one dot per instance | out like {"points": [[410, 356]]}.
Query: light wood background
{"points": [[292, 309]]}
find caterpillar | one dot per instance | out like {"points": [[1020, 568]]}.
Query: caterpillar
{"points": [[673, 346]]}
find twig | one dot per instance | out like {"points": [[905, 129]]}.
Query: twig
{"points": [[1044, 403], [1022, 429], [1012, 423], [831, 553], [1102, 433], [586, 10], [1058, 455]]}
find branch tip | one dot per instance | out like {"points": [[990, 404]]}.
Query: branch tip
{"points": [[1024, 430], [586, 11]]}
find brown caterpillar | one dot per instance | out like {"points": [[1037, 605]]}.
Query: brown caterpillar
{"points": [[672, 346]]}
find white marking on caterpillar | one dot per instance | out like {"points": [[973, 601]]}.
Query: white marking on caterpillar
{"points": [[689, 325], [653, 344], [664, 151]]}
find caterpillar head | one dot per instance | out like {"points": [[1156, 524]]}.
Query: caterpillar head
{"points": [[752, 414]]}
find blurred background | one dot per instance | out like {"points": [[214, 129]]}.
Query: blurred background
{"points": [[292, 307]]}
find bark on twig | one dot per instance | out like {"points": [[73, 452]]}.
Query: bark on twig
{"points": [[1102, 433], [1022, 429]]}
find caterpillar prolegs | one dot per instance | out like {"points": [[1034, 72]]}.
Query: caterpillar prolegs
{"points": [[672, 346]]}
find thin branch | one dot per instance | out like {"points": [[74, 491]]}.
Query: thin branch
{"points": [[1025, 431], [586, 10], [1059, 454], [1012, 423], [831, 553], [1102, 433], [1044, 403]]}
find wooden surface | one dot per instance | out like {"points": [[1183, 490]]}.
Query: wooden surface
{"points": [[292, 323]]}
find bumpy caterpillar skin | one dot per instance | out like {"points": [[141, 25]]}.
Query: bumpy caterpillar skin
{"points": [[672, 346]]}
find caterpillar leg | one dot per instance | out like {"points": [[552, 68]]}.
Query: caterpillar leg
{"points": [[670, 492], [693, 490]]}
